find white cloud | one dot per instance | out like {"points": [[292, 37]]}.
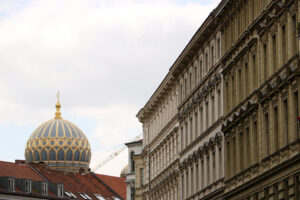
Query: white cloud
{"points": [[106, 58]]}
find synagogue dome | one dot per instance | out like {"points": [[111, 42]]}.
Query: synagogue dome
{"points": [[60, 144]]}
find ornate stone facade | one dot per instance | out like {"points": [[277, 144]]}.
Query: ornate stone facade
{"points": [[261, 79], [245, 54], [160, 142]]}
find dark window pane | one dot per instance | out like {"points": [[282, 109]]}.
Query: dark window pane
{"points": [[44, 155], [52, 155], [36, 156], [82, 156], [61, 155], [69, 155], [76, 156]]}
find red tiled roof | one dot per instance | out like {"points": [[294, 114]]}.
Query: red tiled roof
{"points": [[18, 171], [84, 183], [116, 183], [77, 182]]}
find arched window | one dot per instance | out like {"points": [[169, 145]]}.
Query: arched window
{"points": [[61, 155], [69, 155], [132, 161], [82, 156], [44, 155], [36, 156], [76, 156], [52, 155]]}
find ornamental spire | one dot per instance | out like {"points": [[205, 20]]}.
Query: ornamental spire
{"points": [[58, 106]]}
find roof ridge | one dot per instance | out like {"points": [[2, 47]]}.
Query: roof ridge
{"points": [[94, 175]]}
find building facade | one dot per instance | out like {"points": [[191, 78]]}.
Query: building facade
{"points": [[132, 170], [236, 110], [261, 101], [160, 142], [200, 114]]}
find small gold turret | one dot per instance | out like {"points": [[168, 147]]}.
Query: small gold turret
{"points": [[58, 106]]}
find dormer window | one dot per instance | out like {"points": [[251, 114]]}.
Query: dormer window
{"points": [[11, 185], [28, 186], [60, 190], [44, 189]]}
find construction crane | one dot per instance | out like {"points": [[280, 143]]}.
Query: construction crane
{"points": [[115, 153]]}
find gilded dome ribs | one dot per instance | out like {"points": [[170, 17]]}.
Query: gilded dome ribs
{"points": [[60, 144]]}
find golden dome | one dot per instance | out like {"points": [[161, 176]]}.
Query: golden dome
{"points": [[60, 144]]}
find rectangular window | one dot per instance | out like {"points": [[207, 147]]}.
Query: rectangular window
{"points": [[207, 116], [212, 109], [219, 104], [220, 165], [247, 83], [214, 172], [196, 125], [286, 189], [185, 87], [285, 120], [248, 148], [28, 186], [241, 151], [227, 97], [267, 145], [191, 130], [255, 141], [197, 177], [274, 53], [212, 56], [192, 180], [202, 174], [201, 120], [201, 69], [206, 63], [233, 92], [296, 113], [276, 146], [60, 191], [181, 92], [142, 177], [229, 166], [283, 45], [219, 48], [44, 188], [182, 186], [11, 184], [254, 71], [196, 76], [186, 134], [208, 169], [294, 35], [234, 160], [240, 84], [187, 184], [191, 82], [265, 61]]}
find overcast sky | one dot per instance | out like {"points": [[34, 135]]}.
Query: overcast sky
{"points": [[106, 57]]}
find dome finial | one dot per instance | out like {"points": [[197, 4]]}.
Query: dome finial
{"points": [[58, 113]]}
